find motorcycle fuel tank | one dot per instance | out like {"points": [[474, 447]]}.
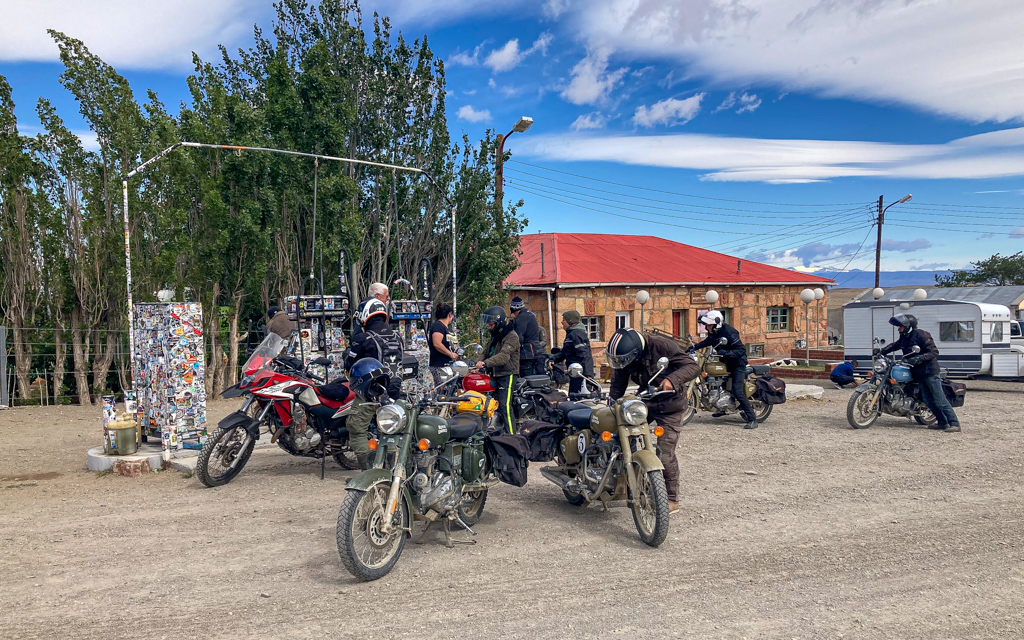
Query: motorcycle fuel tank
{"points": [[900, 373], [603, 419], [478, 382], [715, 368], [434, 429]]}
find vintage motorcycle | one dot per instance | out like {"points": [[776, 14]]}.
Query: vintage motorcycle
{"points": [[712, 391], [426, 467], [609, 454], [890, 389], [302, 418]]}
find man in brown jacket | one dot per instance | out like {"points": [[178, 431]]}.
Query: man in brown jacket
{"points": [[279, 323], [503, 362], [634, 357]]}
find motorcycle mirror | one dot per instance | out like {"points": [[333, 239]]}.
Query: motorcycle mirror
{"points": [[916, 349], [662, 365], [575, 370], [460, 368], [723, 341]]}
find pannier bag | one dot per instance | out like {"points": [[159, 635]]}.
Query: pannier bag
{"points": [[955, 392], [543, 437], [559, 374], [549, 407], [510, 456], [770, 389], [478, 403]]}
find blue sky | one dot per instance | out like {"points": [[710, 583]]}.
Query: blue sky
{"points": [[761, 128]]}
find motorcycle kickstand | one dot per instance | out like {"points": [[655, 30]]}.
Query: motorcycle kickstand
{"points": [[448, 540]]}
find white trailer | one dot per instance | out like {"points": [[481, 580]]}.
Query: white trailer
{"points": [[973, 337]]}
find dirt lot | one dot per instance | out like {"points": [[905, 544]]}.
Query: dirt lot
{"points": [[892, 532]]}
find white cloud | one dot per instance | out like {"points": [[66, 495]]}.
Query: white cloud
{"points": [[141, 34], [423, 13], [553, 9], [1017, 233], [961, 59], [468, 113], [670, 112], [591, 80], [997, 154], [589, 121], [463, 58], [509, 56], [748, 103], [491, 83]]}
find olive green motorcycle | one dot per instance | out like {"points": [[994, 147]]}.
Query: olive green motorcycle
{"points": [[609, 454], [426, 467]]}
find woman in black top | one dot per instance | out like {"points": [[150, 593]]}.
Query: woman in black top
{"points": [[441, 354]]}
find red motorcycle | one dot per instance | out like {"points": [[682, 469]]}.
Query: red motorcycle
{"points": [[302, 418]]}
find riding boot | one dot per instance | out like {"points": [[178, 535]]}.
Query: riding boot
{"points": [[718, 414], [751, 422], [362, 461]]}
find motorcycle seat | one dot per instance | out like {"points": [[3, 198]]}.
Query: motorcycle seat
{"points": [[463, 425], [337, 391], [759, 369], [537, 382], [566, 407], [580, 418]]}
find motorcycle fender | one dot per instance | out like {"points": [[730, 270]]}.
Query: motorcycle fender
{"points": [[648, 461], [865, 386], [232, 392], [240, 419], [372, 477]]}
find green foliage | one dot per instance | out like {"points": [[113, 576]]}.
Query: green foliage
{"points": [[995, 270]]}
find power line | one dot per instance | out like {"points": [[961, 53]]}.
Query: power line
{"points": [[685, 195], [966, 224]]}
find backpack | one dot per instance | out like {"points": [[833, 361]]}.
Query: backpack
{"points": [[389, 351], [510, 456], [770, 389]]}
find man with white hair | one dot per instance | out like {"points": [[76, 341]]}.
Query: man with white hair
{"points": [[378, 291]]}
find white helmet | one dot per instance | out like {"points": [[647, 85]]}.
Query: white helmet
{"points": [[372, 307], [712, 319]]}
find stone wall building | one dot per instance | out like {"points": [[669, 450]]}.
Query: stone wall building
{"points": [[600, 275]]}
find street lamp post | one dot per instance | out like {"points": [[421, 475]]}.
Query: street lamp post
{"points": [[807, 296], [642, 297], [819, 294], [878, 242], [520, 126]]}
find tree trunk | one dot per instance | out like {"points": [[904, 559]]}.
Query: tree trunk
{"points": [[80, 352], [231, 376], [101, 364], [59, 363], [213, 332], [22, 360]]}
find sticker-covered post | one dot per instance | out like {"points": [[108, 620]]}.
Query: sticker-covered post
{"points": [[128, 281]]}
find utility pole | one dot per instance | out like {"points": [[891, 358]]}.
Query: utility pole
{"points": [[520, 126], [878, 243]]}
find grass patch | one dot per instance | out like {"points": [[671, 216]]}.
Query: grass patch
{"points": [[21, 485], [188, 474], [105, 472]]}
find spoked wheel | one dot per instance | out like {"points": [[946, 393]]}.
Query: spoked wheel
{"points": [[691, 407], [761, 409], [859, 412], [224, 455], [472, 506], [365, 549], [346, 459], [650, 507], [926, 417]]}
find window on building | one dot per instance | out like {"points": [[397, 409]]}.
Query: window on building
{"points": [[621, 319], [593, 326], [778, 319], [679, 325], [956, 331], [997, 332], [726, 315]]}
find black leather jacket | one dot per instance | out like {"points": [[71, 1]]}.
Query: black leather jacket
{"points": [[927, 360], [733, 354]]}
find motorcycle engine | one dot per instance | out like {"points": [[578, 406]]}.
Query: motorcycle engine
{"points": [[304, 437], [902, 405], [435, 488], [721, 399]]}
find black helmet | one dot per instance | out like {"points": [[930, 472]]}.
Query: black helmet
{"points": [[369, 379], [624, 347], [494, 315], [905, 320]]}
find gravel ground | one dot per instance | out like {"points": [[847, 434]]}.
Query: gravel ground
{"points": [[803, 528]]}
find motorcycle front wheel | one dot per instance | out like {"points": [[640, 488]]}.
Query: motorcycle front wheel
{"points": [[366, 551], [650, 507], [223, 455], [859, 412]]}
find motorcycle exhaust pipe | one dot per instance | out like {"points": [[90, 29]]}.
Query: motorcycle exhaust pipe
{"points": [[560, 478]]}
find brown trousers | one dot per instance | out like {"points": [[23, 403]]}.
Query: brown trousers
{"points": [[672, 423]]}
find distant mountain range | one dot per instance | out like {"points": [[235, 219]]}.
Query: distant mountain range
{"points": [[856, 279]]}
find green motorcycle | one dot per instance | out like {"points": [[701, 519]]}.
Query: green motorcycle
{"points": [[427, 468]]}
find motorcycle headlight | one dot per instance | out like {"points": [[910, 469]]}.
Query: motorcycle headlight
{"points": [[880, 365], [390, 419], [634, 412]]}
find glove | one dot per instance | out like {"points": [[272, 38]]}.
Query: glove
{"points": [[876, 351], [913, 360]]}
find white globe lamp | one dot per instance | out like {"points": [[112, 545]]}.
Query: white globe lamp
{"points": [[878, 292]]}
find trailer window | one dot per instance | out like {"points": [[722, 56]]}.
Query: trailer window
{"points": [[956, 331], [997, 332], [1014, 329]]}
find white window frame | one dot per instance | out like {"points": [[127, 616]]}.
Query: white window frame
{"points": [[593, 326], [622, 319], [960, 331]]}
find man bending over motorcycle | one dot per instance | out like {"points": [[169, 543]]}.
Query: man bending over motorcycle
{"points": [[633, 356], [924, 368], [734, 356]]}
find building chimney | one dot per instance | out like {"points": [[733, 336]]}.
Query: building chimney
{"points": [[738, 266], [542, 258]]}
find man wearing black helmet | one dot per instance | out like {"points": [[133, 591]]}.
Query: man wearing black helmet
{"points": [[634, 356], [377, 341], [502, 358], [924, 368], [531, 347]]}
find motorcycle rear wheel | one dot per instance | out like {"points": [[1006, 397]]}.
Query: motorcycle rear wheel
{"points": [[859, 412], [761, 409], [346, 459], [650, 507], [691, 407], [366, 551], [472, 506], [926, 417], [223, 447]]}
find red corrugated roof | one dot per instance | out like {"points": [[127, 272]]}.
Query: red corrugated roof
{"points": [[594, 258]]}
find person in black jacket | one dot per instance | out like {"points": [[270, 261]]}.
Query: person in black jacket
{"points": [[531, 349], [924, 368], [734, 356], [575, 349]]}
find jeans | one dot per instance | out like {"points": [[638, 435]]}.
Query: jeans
{"points": [[842, 380], [935, 398], [531, 367], [739, 392]]}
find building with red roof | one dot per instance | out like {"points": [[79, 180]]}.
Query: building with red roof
{"points": [[598, 275]]}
